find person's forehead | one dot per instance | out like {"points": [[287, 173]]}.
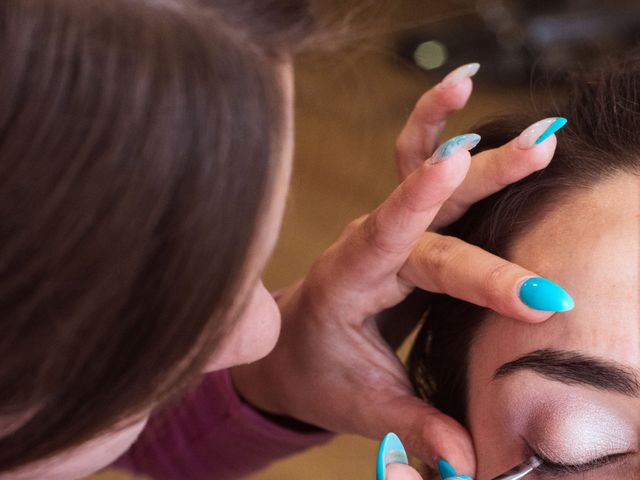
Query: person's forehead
{"points": [[582, 229], [591, 247]]}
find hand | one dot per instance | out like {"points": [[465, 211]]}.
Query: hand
{"points": [[331, 366], [489, 172], [399, 471]]}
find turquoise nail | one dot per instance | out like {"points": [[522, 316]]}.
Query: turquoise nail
{"points": [[539, 132], [445, 469], [451, 146], [543, 294], [391, 451], [553, 128], [447, 472]]}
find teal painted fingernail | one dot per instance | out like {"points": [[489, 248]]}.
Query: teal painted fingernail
{"points": [[553, 128], [540, 131], [447, 472], [445, 469], [543, 294], [391, 451], [451, 146]]}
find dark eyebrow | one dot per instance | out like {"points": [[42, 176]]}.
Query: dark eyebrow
{"points": [[574, 368]]}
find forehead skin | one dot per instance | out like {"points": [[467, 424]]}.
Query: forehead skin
{"points": [[590, 245]]}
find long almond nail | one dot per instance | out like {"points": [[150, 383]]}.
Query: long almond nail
{"points": [[447, 472], [543, 294], [391, 451], [465, 71], [540, 131], [451, 146]]}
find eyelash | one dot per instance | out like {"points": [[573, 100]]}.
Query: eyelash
{"points": [[552, 468]]}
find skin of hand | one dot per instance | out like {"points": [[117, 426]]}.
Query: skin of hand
{"points": [[398, 471], [331, 366]]}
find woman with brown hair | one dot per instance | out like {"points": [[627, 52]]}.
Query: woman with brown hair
{"points": [[145, 154], [565, 391]]}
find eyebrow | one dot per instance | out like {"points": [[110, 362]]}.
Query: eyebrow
{"points": [[574, 368]]}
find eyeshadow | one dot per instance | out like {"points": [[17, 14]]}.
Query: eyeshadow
{"points": [[577, 431]]}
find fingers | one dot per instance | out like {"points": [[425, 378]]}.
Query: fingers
{"points": [[397, 224], [444, 264], [494, 169], [429, 434], [373, 250], [398, 471], [419, 138]]}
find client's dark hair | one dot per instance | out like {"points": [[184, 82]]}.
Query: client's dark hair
{"points": [[601, 140], [138, 141]]}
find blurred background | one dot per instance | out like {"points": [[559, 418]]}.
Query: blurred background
{"points": [[353, 102]]}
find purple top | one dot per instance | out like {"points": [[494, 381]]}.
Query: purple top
{"points": [[212, 433]]}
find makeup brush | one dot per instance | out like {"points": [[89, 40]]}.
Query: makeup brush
{"points": [[522, 470]]}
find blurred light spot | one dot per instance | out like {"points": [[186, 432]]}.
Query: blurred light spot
{"points": [[430, 55]]}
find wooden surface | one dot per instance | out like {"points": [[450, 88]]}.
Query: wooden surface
{"points": [[350, 109]]}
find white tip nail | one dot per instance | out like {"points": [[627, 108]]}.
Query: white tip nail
{"points": [[530, 136], [468, 70]]}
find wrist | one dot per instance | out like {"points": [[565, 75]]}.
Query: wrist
{"points": [[283, 421]]}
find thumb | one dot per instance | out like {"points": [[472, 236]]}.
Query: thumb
{"points": [[392, 462], [430, 435], [398, 471]]}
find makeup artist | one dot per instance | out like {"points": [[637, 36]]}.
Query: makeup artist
{"points": [[145, 154]]}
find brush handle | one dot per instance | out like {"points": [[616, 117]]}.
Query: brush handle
{"points": [[520, 471]]}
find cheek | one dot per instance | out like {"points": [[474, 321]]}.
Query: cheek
{"points": [[254, 334]]}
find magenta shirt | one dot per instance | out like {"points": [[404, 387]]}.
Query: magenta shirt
{"points": [[212, 434]]}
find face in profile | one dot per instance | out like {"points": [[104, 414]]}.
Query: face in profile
{"points": [[568, 389]]}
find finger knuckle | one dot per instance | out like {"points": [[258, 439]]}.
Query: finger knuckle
{"points": [[373, 235], [354, 225], [441, 252], [402, 146], [494, 286], [429, 100]]}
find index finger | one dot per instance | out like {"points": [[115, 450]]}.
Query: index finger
{"points": [[398, 471], [444, 264], [390, 232]]}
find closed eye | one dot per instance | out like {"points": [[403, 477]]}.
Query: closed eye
{"points": [[551, 469]]}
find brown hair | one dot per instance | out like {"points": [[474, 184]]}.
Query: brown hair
{"points": [[602, 139], [137, 142]]}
